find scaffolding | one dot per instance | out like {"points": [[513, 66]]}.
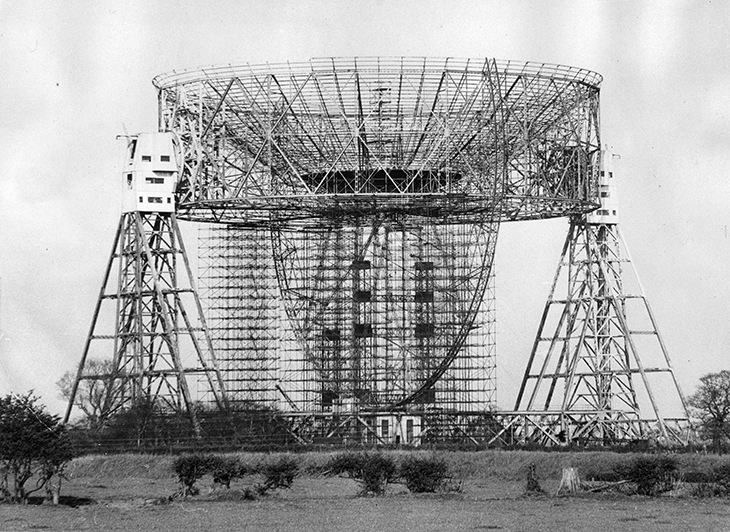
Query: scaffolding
{"points": [[364, 324], [239, 296]]}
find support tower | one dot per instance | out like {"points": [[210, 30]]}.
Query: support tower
{"points": [[599, 370], [159, 335]]}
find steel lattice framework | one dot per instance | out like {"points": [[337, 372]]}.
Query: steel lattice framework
{"points": [[363, 196], [242, 306], [352, 208], [338, 138], [598, 357], [156, 338], [376, 187]]}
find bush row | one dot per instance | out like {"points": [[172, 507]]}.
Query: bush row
{"points": [[653, 475], [373, 470], [224, 469], [504, 465], [649, 475]]}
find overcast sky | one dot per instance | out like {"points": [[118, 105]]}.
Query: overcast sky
{"points": [[74, 75]]}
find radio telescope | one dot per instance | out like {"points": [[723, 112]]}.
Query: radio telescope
{"points": [[352, 208]]}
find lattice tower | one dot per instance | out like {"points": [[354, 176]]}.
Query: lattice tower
{"points": [[599, 362], [156, 338]]}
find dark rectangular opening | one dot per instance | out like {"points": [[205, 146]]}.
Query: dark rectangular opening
{"points": [[361, 296], [424, 330], [362, 330], [328, 398], [332, 335], [360, 264], [423, 296], [429, 396]]}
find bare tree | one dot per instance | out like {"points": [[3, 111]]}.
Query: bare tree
{"points": [[711, 403], [95, 395]]}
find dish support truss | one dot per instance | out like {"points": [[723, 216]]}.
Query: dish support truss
{"points": [[159, 336], [457, 138], [598, 361], [380, 183]]}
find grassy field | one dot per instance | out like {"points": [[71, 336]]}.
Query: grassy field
{"points": [[126, 492]]}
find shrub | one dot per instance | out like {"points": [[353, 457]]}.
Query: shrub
{"points": [[281, 473], [652, 474], [423, 475], [601, 466], [374, 471], [344, 463], [721, 478], [377, 471], [706, 489], [190, 468], [224, 469]]}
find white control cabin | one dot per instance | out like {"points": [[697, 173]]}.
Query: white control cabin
{"points": [[150, 173], [607, 213], [398, 430]]}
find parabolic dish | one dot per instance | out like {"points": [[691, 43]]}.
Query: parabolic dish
{"points": [[349, 138]]}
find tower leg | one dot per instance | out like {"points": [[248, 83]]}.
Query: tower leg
{"points": [[155, 343], [598, 355]]}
